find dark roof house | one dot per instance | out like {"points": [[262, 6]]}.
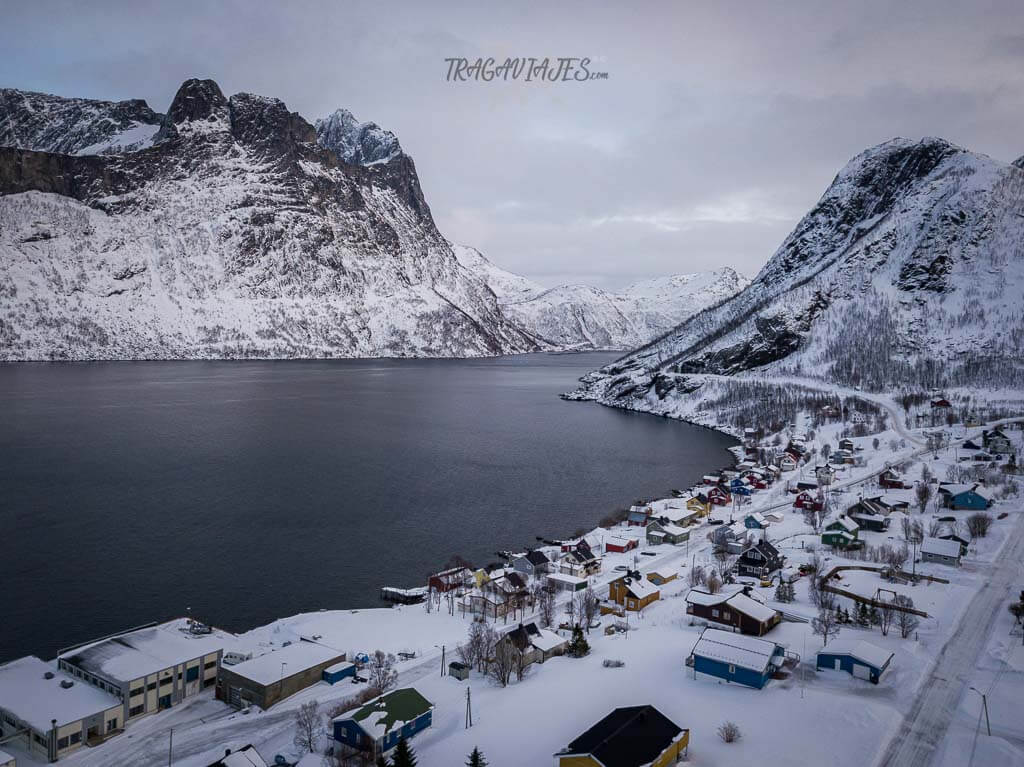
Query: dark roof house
{"points": [[629, 737]]}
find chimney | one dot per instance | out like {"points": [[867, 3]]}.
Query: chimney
{"points": [[227, 752]]}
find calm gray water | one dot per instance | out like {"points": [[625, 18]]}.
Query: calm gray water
{"points": [[255, 490]]}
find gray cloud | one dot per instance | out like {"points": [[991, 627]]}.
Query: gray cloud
{"points": [[719, 125]]}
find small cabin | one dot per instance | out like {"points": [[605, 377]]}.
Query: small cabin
{"points": [[858, 658]]}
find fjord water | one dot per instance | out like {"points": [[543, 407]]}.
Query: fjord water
{"points": [[254, 490]]}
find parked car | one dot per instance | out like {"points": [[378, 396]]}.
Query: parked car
{"points": [[716, 521]]}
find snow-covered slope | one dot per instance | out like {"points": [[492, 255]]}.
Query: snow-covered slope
{"points": [[235, 234], [908, 272], [584, 317]]}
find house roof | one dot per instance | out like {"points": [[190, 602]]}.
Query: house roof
{"points": [[736, 649], [627, 737], [569, 580], [940, 547], [668, 528], [31, 697], [146, 651], [378, 717], [744, 604], [639, 587], [766, 549], [546, 640], [537, 558], [845, 523], [247, 756], [299, 656], [858, 648]]}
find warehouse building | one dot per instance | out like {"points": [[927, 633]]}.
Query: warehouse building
{"points": [[269, 678], [52, 714], [153, 668]]}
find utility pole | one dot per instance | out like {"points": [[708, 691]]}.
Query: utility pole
{"points": [[984, 704], [442, 660], [170, 748], [469, 711]]}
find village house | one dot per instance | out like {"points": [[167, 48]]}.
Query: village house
{"points": [[825, 474], [658, 532], [274, 676], [960, 497], [638, 516], [152, 668], [375, 728], [632, 592], [847, 444], [532, 644], [892, 504], [861, 659], [996, 442], [246, 756], [745, 660], [636, 736], [877, 523], [580, 561], [719, 496], [674, 515], [843, 533], [943, 552], [964, 543], [450, 580], [711, 479], [755, 521], [619, 545], [805, 499], [759, 560], [788, 462], [700, 504], [563, 583], [740, 610], [532, 564], [891, 480], [50, 713]]}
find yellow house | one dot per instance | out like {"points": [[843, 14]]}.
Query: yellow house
{"points": [[662, 575], [700, 504], [628, 737], [632, 592]]}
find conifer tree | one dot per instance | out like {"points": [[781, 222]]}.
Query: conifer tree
{"points": [[476, 759], [578, 646], [404, 756]]}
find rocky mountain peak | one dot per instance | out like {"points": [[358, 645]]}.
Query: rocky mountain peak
{"points": [[1019, 162], [266, 123], [197, 100], [354, 142]]}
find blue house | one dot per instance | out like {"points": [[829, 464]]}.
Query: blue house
{"points": [[338, 671], [739, 486], [376, 728], [964, 497], [861, 659], [737, 658], [755, 521]]}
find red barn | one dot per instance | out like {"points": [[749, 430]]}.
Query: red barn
{"points": [[806, 500], [891, 480], [620, 545]]}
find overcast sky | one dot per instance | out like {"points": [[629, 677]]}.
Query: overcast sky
{"points": [[719, 125]]}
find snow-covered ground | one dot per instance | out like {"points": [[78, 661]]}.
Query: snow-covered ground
{"points": [[812, 717]]}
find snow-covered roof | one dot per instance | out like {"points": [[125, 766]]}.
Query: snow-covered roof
{"points": [[570, 580], [736, 649], [848, 524], [338, 667], [391, 711], [640, 588], [940, 547], [859, 649], [31, 697], [298, 656], [5, 757], [671, 529], [754, 609], [547, 641], [243, 757], [146, 651]]}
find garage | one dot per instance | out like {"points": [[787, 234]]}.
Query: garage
{"points": [[860, 659]]}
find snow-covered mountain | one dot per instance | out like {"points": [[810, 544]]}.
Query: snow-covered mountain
{"points": [[584, 317], [233, 229], [909, 271]]}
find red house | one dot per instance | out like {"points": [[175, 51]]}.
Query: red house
{"points": [[719, 496], [449, 580], [806, 500], [620, 545], [942, 402]]}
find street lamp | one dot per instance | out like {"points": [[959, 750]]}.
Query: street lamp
{"points": [[441, 648], [984, 704]]}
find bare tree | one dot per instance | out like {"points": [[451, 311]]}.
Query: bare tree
{"points": [[935, 528], [729, 732], [589, 606], [906, 622], [503, 661], [713, 583], [545, 600], [473, 651], [308, 726], [824, 623], [722, 555], [978, 525], [382, 673], [697, 577], [886, 613]]}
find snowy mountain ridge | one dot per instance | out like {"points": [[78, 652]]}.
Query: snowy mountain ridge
{"points": [[585, 317], [235, 234], [908, 272]]}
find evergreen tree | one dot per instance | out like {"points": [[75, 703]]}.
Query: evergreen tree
{"points": [[404, 756], [476, 759], [382, 762], [578, 646], [780, 592]]}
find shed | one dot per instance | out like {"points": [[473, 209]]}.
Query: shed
{"points": [[619, 544], [269, 678], [458, 670], [339, 671], [861, 659], [944, 552], [662, 575], [376, 727]]}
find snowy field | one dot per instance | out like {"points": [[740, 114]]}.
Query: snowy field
{"points": [[811, 717]]}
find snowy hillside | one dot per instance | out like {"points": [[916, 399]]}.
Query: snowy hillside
{"points": [[236, 234], [908, 272], [583, 317]]}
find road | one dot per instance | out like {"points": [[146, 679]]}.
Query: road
{"points": [[925, 724]]}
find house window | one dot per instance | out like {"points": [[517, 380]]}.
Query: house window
{"points": [[168, 680], [714, 613], [62, 743], [137, 691], [112, 725], [209, 664], [76, 737], [192, 674], [136, 710], [726, 615], [151, 686], [732, 669]]}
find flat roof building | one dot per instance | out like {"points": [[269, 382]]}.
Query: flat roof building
{"points": [[269, 678], [54, 712], [152, 668]]}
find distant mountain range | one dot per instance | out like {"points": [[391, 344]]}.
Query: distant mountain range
{"points": [[233, 228], [907, 274]]}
